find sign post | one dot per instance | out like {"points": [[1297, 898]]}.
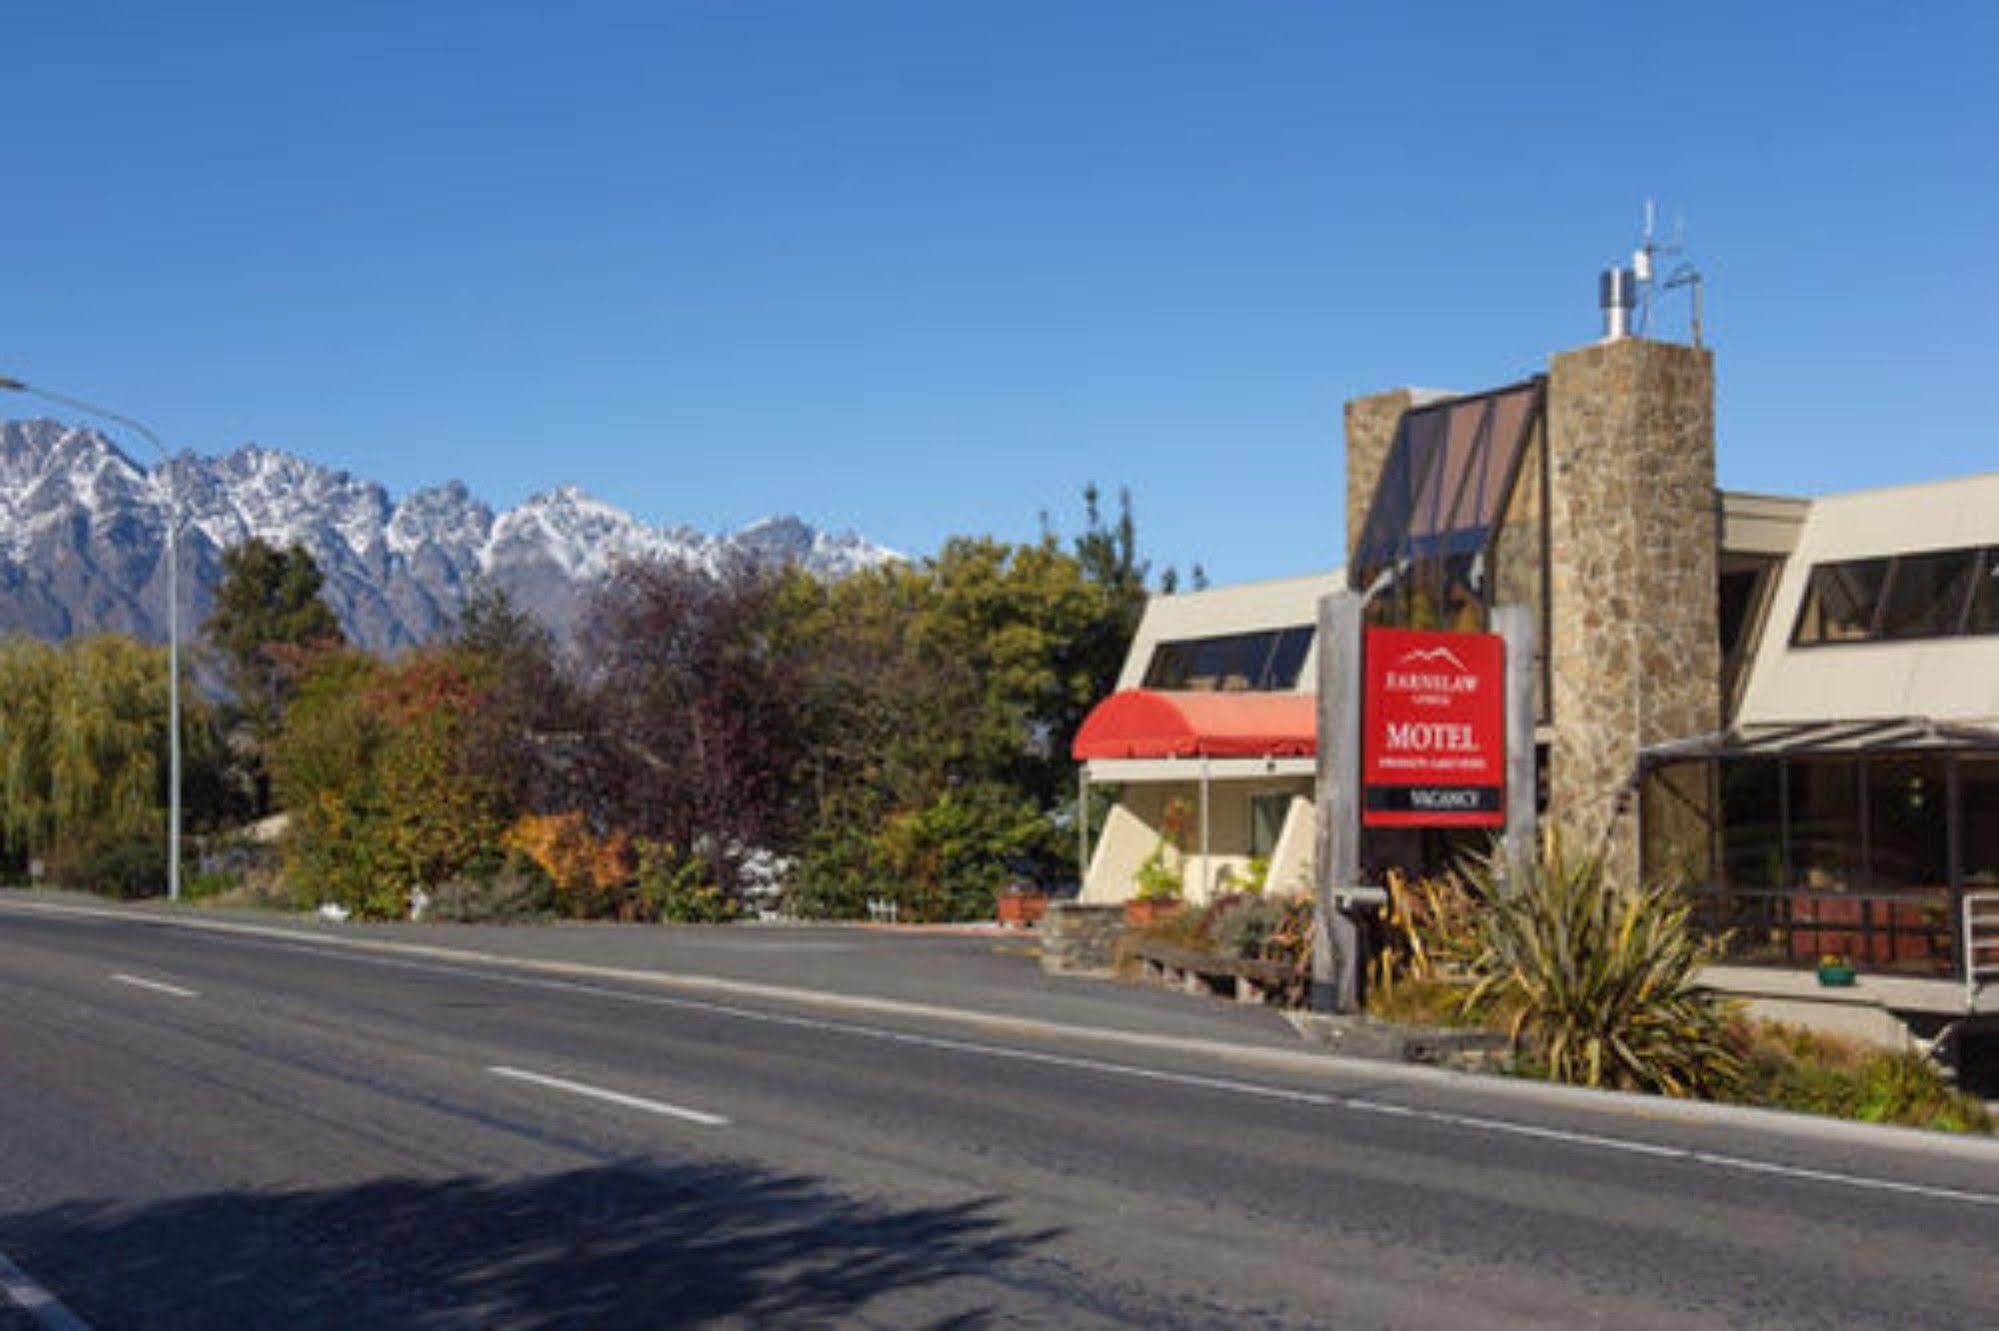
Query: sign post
{"points": [[1336, 856], [1515, 626]]}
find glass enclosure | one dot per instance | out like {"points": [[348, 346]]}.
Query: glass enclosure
{"points": [[1459, 517], [1862, 854]]}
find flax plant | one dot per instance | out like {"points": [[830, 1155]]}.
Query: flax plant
{"points": [[1600, 979]]}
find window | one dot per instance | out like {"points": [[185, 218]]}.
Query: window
{"points": [[1978, 820], [1232, 663], [1840, 601], [1824, 832], [1907, 821], [1926, 595], [1459, 515], [1266, 823], [1982, 616], [1935, 593], [1744, 593], [1752, 823], [1447, 480]]}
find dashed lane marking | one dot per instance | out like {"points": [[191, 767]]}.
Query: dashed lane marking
{"points": [[705, 1119]]}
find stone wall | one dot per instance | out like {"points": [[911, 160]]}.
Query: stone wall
{"points": [[1634, 539], [1080, 939], [1370, 425]]}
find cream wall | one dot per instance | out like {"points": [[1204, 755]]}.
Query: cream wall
{"points": [[1943, 678], [1132, 831]]}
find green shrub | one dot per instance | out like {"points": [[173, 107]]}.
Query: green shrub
{"points": [[1249, 880], [1156, 879], [1786, 1067], [1423, 1002], [208, 884], [127, 867], [1243, 925], [680, 889], [1600, 980]]}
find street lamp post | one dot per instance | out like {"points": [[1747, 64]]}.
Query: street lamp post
{"points": [[173, 608]]}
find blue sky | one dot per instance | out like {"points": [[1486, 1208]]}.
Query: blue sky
{"points": [[927, 268]]}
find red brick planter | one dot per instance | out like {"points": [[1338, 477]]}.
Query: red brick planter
{"points": [[1021, 909], [1141, 911]]}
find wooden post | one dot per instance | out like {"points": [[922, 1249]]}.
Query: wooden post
{"points": [[1082, 827], [1336, 860], [1207, 872], [1515, 624]]}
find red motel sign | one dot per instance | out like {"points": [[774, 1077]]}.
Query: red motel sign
{"points": [[1433, 729]]}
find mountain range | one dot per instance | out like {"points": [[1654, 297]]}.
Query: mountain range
{"points": [[83, 540]]}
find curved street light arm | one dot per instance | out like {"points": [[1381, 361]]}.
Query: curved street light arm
{"points": [[10, 384]]}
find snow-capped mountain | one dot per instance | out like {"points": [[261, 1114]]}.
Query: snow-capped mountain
{"points": [[83, 539]]}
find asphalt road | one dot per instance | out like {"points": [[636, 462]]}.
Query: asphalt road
{"points": [[205, 1130]]}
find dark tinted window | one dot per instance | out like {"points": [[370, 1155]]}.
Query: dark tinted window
{"points": [[1929, 594], [1926, 595], [1447, 479], [1983, 616], [1267, 660], [1840, 601]]}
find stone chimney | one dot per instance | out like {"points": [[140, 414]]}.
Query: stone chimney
{"points": [[1634, 543]]}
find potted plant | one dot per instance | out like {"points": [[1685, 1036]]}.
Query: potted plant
{"points": [[1835, 972], [1159, 889], [1021, 905]]}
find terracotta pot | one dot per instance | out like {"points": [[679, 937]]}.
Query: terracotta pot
{"points": [[1022, 909], [1141, 911]]}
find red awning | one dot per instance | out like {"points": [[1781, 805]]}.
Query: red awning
{"points": [[1148, 723]]}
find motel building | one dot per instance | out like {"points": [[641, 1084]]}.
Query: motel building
{"points": [[1790, 705]]}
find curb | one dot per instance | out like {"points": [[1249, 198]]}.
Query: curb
{"points": [[1622, 1104]]}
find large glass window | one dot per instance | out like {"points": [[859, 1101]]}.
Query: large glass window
{"points": [[1908, 822], [1926, 595], [1978, 820], [1933, 593], [1825, 823], [1982, 616], [1752, 823], [1840, 601], [1236, 662], [1459, 515], [1678, 825]]}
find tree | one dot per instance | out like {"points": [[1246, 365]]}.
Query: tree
{"points": [[83, 759], [696, 710], [525, 730], [268, 601], [375, 767]]}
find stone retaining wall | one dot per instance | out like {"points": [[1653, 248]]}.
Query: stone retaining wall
{"points": [[1079, 938]]}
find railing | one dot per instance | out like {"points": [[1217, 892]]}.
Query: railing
{"points": [[1909, 932], [1980, 944]]}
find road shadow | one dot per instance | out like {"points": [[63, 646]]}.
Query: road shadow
{"points": [[628, 1244]]}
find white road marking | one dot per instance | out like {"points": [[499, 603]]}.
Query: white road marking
{"points": [[45, 1308], [1354, 1103], [157, 986], [613, 1097]]}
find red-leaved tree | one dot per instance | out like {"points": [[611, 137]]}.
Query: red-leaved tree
{"points": [[696, 701]]}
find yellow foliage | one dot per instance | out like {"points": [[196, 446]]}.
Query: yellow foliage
{"points": [[564, 849]]}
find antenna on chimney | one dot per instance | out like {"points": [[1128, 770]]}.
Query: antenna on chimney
{"points": [[1645, 271]]}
